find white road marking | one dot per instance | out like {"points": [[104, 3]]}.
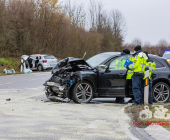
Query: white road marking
{"points": [[21, 81], [5, 84]]}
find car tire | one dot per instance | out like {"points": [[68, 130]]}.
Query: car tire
{"points": [[40, 68], [161, 92], [82, 92]]}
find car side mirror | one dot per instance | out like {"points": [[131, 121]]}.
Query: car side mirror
{"points": [[101, 67]]}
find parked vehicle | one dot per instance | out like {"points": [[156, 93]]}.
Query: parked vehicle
{"points": [[99, 76], [40, 62]]}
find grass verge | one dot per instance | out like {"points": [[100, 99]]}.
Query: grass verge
{"points": [[143, 116], [10, 63]]}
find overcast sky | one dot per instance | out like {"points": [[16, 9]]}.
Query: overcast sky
{"points": [[147, 20]]}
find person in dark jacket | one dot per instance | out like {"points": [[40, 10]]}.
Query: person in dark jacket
{"points": [[121, 99]]}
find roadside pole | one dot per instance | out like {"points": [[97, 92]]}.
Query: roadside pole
{"points": [[22, 65], [146, 88]]}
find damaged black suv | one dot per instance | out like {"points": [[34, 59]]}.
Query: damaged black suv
{"points": [[102, 76]]}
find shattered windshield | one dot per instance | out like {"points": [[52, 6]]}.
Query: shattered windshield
{"points": [[97, 59]]}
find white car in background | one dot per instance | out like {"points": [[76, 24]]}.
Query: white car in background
{"points": [[40, 62]]}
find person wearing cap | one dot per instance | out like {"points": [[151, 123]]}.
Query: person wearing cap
{"points": [[151, 66], [121, 65], [138, 68]]}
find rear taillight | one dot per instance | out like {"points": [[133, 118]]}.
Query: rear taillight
{"points": [[168, 60], [44, 61]]}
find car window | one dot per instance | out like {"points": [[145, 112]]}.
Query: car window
{"points": [[49, 57], [118, 63], [97, 59], [33, 58], [158, 64]]}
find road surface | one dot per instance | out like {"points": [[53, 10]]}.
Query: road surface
{"points": [[26, 114]]}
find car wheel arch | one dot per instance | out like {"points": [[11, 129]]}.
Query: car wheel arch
{"points": [[160, 80], [41, 66], [90, 81]]}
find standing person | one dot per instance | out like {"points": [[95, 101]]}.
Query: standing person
{"points": [[124, 52], [151, 65], [138, 68]]}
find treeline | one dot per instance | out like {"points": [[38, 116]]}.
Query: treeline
{"points": [[28, 26], [47, 27], [158, 49]]}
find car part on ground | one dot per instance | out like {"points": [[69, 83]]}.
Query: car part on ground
{"points": [[101, 76], [8, 71]]}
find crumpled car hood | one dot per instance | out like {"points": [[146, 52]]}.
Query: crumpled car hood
{"points": [[69, 60]]}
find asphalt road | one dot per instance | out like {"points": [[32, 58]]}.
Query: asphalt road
{"points": [[21, 81], [26, 114]]}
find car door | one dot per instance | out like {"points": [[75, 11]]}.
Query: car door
{"points": [[111, 82]]}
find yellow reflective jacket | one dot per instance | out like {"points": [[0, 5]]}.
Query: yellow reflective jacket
{"points": [[146, 62], [130, 72], [139, 63], [151, 66]]}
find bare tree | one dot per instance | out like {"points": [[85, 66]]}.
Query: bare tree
{"points": [[118, 25], [97, 15], [162, 43], [136, 42], [76, 13]]}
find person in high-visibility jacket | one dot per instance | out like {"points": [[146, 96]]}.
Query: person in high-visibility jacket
{"points": [[130, 72], [120, 65], [151, 66], [138, 68]]}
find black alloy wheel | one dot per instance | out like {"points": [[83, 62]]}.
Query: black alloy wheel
{"points": [[161, 92], [40, 68], [82, 92]]}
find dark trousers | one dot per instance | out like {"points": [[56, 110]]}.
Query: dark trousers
{"points": [[150, 91], [137, 87]]}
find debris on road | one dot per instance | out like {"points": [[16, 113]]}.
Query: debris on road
{"points": [[8, 71], [58, 99], [8, 99]]}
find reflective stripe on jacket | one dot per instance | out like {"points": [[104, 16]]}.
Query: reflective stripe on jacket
{"points": [[152, 67]]}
